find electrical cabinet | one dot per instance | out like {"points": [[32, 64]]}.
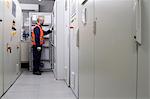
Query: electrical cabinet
{"points": [[74, 55], [1, 47], [66, 30], [55, 36], [86, 50], [60, 39], [67, 41], [11, 44], [74, 47], [108, 49], [143, 54], [115, 50]]}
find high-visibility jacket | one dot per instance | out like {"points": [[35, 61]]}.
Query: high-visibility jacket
{"points": [[41, 36]]}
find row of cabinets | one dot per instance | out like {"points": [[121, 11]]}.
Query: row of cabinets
{"points": [[101, 39], [103, 55], [10, 29]]}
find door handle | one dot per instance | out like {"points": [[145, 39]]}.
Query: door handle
{"points": [[94, 27], [77, 43], [17, 47], [138, 37], [9, 49]]}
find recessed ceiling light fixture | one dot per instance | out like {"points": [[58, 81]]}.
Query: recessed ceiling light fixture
{"points": [[40, 0]]}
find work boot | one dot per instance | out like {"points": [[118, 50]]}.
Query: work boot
{"points": [[37, 73]]}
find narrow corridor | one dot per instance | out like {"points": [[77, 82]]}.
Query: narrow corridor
{"points": [[99, 48], [29, 86]]}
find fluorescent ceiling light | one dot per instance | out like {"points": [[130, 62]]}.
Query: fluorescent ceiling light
{"points": [[40, 0]]}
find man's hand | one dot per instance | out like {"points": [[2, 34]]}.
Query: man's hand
{"points": [[39, 48]]}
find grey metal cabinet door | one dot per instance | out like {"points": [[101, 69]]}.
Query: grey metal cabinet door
{"points": [[115, 50], [8, 52], [86, 50], [74, 57], [66, 22], [74, 48], [143, 54], [1, 47], [10, 43]]}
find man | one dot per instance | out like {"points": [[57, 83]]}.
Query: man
{"points": [[37, 42]]}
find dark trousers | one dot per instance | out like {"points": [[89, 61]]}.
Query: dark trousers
{"points": [[36, 59]]}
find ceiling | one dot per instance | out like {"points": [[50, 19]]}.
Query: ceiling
{"points": [[45, 5]]}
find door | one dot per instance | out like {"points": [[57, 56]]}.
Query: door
{"points": [[9, 46], [1, 47], [74, 56], [55, 37], [86, 49], [115, 50], [67, 43], [74, 48], [19, 19]]}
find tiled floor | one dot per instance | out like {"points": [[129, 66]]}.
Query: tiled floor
{"points": [[30, 86]]}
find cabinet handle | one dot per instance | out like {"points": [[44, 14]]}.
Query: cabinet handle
{"points": [[9, 49], [18, 47], [78, 38], [95, 25], [138, 22]]}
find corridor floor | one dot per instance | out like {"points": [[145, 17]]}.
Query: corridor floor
{"points": [[30, 86]]}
